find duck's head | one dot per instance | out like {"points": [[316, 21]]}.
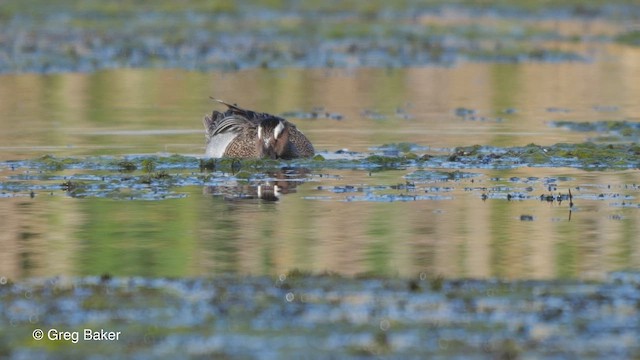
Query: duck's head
{"points": [[273, 137]]}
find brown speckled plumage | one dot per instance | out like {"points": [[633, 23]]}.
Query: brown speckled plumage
{"points": [[244, 133]]}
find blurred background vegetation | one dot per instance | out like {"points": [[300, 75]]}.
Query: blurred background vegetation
{"points": [[73, 35], [372, 7]]}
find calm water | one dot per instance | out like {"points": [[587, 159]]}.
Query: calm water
{"points": [[336, 220]]}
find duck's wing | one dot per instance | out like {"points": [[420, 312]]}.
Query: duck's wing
{"points": [[234, 124], [210, 123], [219, 122], [253, 116]]}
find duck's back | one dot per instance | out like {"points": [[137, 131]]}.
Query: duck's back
{"points": [[299, 145]]}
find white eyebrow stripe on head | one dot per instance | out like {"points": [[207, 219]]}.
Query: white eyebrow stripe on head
{"points": [[278, 130]]}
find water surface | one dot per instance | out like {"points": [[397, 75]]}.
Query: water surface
{"points": [[402, 220]]}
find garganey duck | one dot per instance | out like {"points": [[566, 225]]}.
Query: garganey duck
{"points": [[241, 133]]}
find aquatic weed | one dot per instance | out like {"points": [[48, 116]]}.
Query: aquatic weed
{"points": [[148, 165], [405, 147], [74, 188], [439, 175], [126, 165], [52, 163], [208, 164], [622, 128], [149, 178], [387, 162], [466, 151]]}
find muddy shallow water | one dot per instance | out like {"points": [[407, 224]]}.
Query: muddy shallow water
{"points": [[400, 187]]}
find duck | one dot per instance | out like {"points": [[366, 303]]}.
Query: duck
{"points": [[241, 133]]}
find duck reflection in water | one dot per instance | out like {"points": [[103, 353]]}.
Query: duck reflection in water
{"points": [[283, 181]]}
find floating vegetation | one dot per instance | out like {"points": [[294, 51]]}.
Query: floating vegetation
{"points": [[71, 186], [105, 176], [52, 163], [401, 112], [585, 155], [207, 164], [472, 115], [464, 112], [401, 147], [436, 176], [372, 197], [316, 113], [148, 164], [619, 128], [373, 114], [554, 109], [126, 165]]}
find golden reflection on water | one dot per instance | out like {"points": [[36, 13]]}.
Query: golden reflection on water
{"points": [[159, 111], [312, 229], [86, 113]]}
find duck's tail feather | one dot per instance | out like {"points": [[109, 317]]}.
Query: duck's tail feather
{"points": [[230, 106]]}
